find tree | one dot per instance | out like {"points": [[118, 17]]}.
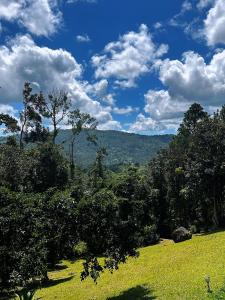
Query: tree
{"points": [[97, 172], [101, 227], [10, 123], [192, 117], [49, 167], [31, 129], [22, 250], [79, 122], [56, 108]]}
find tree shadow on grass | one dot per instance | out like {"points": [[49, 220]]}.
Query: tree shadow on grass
{"points": [[53, 282], [211, 232], [58, 267], [140, 292]]}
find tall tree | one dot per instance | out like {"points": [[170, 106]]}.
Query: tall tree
{"points": [[79, 122], [191, 118], [57, 109], [31, 129], [98, 170]]}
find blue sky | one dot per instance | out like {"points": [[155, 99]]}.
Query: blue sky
{"points": [[136, 65]]}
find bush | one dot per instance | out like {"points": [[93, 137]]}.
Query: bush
{"points": [[80, 249], [150, 235]]}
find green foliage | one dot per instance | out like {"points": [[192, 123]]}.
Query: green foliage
{"points": [[218, 295], [49, 167], [189, 175], [46, 217], [10, 123], [22, 251], [80, 249]]}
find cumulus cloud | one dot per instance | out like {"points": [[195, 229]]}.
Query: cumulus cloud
{"points": [[22, 60], [214, 24], [39, 17], [194, 79], [162, 113], [161, 106], [128, 58], [189, 80], [145, 124]]}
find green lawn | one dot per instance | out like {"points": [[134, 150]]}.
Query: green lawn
{"points": [[165, 271]]}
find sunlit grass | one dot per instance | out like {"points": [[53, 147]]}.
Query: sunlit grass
{"points": [[167, 271]]}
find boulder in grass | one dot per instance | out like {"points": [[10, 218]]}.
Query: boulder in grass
{"points": [[181, 234]]}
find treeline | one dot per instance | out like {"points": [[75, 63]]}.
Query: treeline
{"points": [[51, 210], [188, 179]]}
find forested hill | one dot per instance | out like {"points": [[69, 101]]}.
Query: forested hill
{"points": [[122, 147]]}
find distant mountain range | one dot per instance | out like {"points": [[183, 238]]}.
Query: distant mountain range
{"points": [[122, 147]]}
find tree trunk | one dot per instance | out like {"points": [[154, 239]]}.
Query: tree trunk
{"points": [[72, 164]]}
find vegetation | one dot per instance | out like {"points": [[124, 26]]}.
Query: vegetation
{"points": [[50, 209], [166, 271]]}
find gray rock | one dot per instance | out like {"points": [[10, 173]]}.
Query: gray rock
{"points": [[181, 234]]}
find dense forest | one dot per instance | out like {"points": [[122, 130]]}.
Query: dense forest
{"points": [[50, 209]]}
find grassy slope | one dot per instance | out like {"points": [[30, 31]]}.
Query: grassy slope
{"points": [[166, 271]]}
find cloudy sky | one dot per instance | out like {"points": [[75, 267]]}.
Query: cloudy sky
{"points": [[135, 65]]}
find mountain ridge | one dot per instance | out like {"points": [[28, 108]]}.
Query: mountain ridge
{"points": [[122, 147]]}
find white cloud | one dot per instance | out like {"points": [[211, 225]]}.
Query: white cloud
{"points": [[10, 9], [214, 24], [163, 113], [125, 110], [187, 81], [110, 125], [158, 25], [39, 17], [177, 20], [186, 6], [128, 58], [22, 60], [8, 109], [161, 106], [147, 125], [99, 88], [194, 79], [109, 99], [204, 3], [83, 38]]}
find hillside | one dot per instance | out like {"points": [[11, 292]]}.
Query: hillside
{"points": [[122, 147], [166, 271]]}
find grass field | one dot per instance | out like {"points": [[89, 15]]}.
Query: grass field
{"points": [[166, 271]]}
